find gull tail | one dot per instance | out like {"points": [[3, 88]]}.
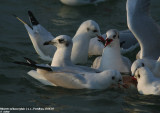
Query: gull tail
{"points": [[33, 64], [33, 20]]}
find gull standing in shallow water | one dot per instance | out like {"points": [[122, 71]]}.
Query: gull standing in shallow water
{"points": [[111, 56], [146, 31], [38, 35], [147, 83]]}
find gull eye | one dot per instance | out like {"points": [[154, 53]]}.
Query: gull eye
{"points": [[114, 36], [95, 31], [113, 78], [139, 76], [61, 40], [88, 29]]}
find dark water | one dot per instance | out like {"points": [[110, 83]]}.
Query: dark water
{"points": [[17, 89]]}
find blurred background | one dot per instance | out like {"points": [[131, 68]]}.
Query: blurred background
{"points": [[17, 89]]}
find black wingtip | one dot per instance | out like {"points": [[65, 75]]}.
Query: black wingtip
{"points": [[30, 61], [14, 15], [32, 18]]}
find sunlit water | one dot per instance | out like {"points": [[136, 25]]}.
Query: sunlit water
{"points": [[17, 89]]}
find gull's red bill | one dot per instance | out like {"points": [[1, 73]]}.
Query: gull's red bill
{"points": [[108, 41]]}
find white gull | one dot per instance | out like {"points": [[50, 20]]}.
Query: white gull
{"points": [[144, 28], [38, 35], [147, 83], [111, 56]]}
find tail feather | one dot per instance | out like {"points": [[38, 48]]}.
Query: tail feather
{"points": [[31, 63], [33, 20]]}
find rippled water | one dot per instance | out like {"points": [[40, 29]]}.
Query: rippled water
{"points": [[17, 89]]}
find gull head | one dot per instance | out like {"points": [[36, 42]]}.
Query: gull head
{"points": [[143, 74], [90, 28], [113, 76], [61, 41], [137, 64], [112, 37]]}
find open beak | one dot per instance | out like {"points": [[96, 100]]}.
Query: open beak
{"points": [[47, 43], [101, 39], [108, 41], [134, 79]]}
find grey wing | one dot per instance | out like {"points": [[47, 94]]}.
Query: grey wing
{"points": [[88, 69], [128, 38], [66, 80], [41, 35], [96, 63]]}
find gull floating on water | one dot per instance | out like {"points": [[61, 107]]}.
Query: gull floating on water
{"points": [[153, 65], [69, 78], [147, 83], [80, 2], [144, 28], [127, 40], [38, 35], [111, 56], [62, 56]]}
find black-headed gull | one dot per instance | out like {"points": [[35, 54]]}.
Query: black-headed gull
{"points": [[87, 30], [111, 56], [62, 56], [153, 65], [147, 83], [80, 2], [38, 35], [126, 37], [144, 28], [69, 78]]}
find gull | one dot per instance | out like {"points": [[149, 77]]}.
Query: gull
{"points": [[69, 78], [144, 28], [111, 56], [62, 56], [80, 2], [127, 40], [38, 35], [147, 83], [87, 30], [153, 65]]}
